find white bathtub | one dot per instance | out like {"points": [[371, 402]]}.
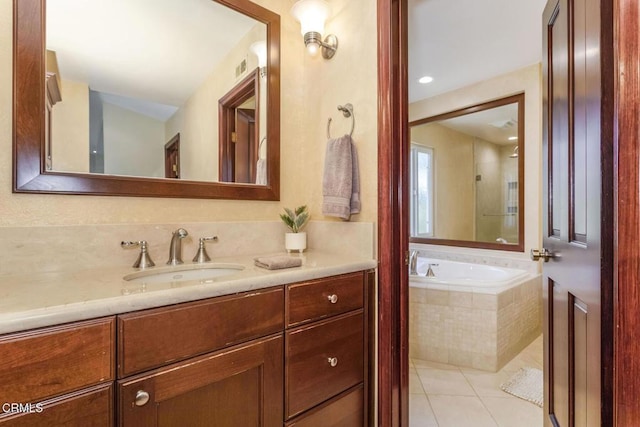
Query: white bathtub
{"points": [[465, 277], [472, 315]]}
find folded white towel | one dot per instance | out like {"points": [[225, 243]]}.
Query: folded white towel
{"points": [[261, 172], [341, 181]]}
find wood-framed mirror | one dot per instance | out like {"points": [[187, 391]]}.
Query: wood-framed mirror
{"points": [[37, 146], [467, 176]]}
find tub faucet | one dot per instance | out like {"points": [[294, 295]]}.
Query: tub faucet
{"points": [[430, 272], [175, 248], [413, 262]]}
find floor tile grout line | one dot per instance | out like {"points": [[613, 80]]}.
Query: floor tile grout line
{"points": [[479, 398]]}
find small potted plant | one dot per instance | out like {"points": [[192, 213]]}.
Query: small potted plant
{"points": [[295, 220]]}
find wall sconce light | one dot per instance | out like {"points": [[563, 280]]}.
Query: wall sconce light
{"points": [[259, 48], [312, 14]]}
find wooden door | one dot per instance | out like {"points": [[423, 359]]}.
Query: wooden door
{"points": [[245, 156], [241, 386], [172, 158], [572, 194]]}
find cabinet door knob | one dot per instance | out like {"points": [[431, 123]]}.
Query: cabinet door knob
{"points": [[333, 298], [142, 397], [333, 361]]}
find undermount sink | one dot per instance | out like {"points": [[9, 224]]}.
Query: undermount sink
{"points": [[184, 273]]}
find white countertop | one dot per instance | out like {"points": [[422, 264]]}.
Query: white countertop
{"points": [[42, 299]]}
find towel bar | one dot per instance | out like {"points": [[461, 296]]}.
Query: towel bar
{"points": [[347, 111]]}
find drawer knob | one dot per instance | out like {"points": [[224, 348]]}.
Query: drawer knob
{"points": [[142, 397], [333, 298], [333, 361]]}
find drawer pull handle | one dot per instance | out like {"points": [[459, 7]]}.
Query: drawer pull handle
{"points": [[142, 397], [333, 361], [333, 298]]}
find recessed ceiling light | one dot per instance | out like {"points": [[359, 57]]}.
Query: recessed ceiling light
{"points": [[513, 138], [425, 79]]}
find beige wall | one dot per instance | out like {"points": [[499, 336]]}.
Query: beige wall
{"points": [[310, 90], [527, 80], [133, 143], [197, 119], [453, 179], [70, 128]]}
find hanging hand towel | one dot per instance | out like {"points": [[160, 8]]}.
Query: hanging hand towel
{"points": [[341, 182], [261, 172], [355, 180]]}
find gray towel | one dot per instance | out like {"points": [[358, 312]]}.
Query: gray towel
{"points": [[341, 180], [277, 262]]}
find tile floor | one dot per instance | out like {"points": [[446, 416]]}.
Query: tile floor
{"points": [[448, 396]]}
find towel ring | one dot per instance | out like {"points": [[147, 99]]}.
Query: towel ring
{"points": [[347, 111]]}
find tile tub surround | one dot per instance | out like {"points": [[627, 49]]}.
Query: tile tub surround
{"points": [[473, 329], [520, 261]]}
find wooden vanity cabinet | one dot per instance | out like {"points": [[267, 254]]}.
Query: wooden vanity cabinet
{"points": [[294, 355], [61, 376], [216, 362], [327, 352]]}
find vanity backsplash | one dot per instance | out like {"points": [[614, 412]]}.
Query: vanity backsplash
{"points": [[81, 247]]}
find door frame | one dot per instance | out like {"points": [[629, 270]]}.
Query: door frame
{"points": [[249, 86], [621, 192], [626, 188], [393, 224]]}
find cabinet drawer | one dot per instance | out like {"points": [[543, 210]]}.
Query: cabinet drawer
{"points": [[325, 297], [89, 408], [52, 361], [153, 338], [311, 378], [346, 410]]}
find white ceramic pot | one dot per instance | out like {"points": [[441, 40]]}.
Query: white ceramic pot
{"points": [[295, 241]]}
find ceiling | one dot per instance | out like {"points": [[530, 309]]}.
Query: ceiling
{"points": [[156, 50], [495, 125], [466, 41]]}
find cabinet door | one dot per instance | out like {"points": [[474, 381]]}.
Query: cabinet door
{"points": [[239, 386], [88, 408]]}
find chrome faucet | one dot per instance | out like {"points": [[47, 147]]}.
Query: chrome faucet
{"points": [[413, 262], [175, 248], [430, 272]]}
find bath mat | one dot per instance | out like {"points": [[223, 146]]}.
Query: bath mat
{"points": [[526, 384]]}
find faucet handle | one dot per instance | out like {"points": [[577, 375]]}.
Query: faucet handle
{"points": [[430, 272], [201, 255], [144, 260]]}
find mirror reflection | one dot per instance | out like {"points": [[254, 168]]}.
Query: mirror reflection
{"points": [[465, 173], [134, 89]]}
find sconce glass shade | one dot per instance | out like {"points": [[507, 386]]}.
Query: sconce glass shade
{"points": [[259, 48], [311, 14]]}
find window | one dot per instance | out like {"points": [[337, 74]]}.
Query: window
{"points": [[421, 191]]}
